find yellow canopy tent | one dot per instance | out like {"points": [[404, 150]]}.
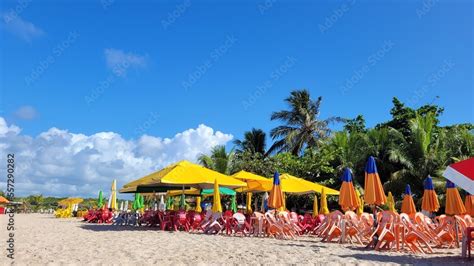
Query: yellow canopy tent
{"points": [[289, 184], [70, 201], [183, 174]]}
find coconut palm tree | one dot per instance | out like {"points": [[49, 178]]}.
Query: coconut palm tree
{"points": [[302, 127], [219, 160], [254, 142]]}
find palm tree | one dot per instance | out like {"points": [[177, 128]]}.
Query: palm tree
{"points": [[254, 142], [302, 127], [219, 160]]}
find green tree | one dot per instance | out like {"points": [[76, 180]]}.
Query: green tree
{"points": [[219, 160], [254, 142], [356, 125], [302, 126]]}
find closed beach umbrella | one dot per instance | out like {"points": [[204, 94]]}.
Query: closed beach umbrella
{"points": [[113, 196], [374, 194], [283, 208], [182, 202], [454, 205], [408, 205], [391, 202], [249, 202], [233, 204], [169, 203], [315, 206], [324, 203], [121, 206], [100, 202], [360, 200], [469, 204], [126, 206], [3, 200], [347, 195], [216, 203], [275, 200], [430, 201], [136, 202], [198, 204]]}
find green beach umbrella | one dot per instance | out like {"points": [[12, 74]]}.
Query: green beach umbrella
{"points": [[142, 201], [101, 200], [222, 190], [233, 204], [136, 202], [169, 202], [182, 202]]}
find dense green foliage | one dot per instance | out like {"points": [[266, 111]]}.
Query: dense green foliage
{"points": [[407, 148]]}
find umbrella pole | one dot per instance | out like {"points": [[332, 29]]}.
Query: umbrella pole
{"points": [[456, 232]]}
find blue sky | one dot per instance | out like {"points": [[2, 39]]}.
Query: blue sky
{"points": [[160, 68]]}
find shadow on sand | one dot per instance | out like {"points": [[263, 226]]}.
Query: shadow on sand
{"points": [[117, 228]]}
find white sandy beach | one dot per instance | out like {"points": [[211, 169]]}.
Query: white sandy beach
{"points": [[42, 239]]}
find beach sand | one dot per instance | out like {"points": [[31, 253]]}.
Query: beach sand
{"points": [[42, 239]]}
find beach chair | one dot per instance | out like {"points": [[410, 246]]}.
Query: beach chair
{"points": [[181, 221], [273, 228], [332, 229], [257, 223], [353, 227], [239, 224], [214, 225], [167, 221], [413, 237], [385, 234]]}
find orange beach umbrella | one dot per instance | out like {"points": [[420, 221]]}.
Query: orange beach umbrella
{"points": [[430, 201], [454, 205], [469, 203], [347, 194], [408, 205], [3, 200], [276, 195], [374, 194]]}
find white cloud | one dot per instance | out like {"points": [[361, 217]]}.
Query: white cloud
{"points": [[61, 163], [21, 28], [26, 112], [119, 61]]}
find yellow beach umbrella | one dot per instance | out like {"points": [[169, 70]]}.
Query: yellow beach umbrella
{"points": [[113, 196], [216, 203], [391, 202], [249, 202], [360, 200], [324, 203], [182, 174], [179, 192], [198, 204], [288, 183], [315, 205]]}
